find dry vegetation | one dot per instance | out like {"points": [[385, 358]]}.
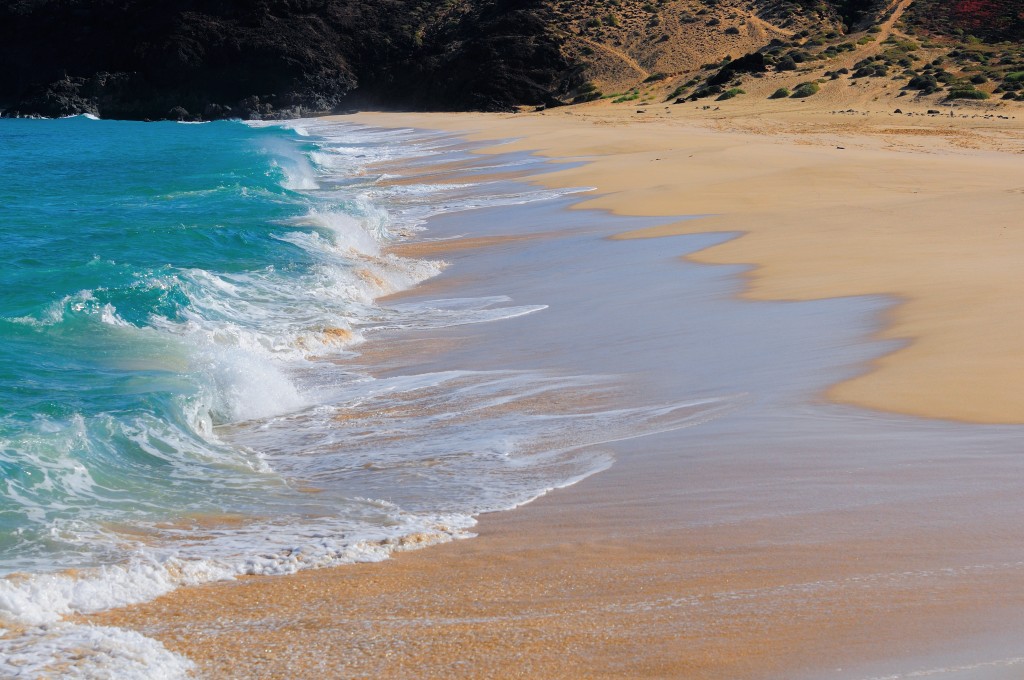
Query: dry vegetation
{"points": [[640, 52]]}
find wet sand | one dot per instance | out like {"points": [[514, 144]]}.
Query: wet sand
{"points": [[745, 601], [828, 207], [440, 248], [790, 537]]}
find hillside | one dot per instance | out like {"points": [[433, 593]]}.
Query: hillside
{"points": [[201, 59], [927, 50], [992, 20]]}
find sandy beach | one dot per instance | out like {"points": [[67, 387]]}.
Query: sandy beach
{"points": [[830, 205], [856, 515]]}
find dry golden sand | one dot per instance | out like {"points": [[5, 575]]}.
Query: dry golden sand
{"points": [[608, 579]]}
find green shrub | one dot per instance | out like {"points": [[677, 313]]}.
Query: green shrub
{"points": [[706, 91], [903, 45], [729, 94], [967, 93], [655, 77], [787, 63], [805, 90], [676, 92], [926, 83], [780, 93], [876, 70]]}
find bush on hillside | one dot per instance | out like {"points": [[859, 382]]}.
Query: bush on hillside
{"points": [[925, 83], [787, 63], [966, 93], [805, 90]]}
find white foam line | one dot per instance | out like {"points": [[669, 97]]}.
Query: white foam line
{"points": [[99, 652], [943, 670]]}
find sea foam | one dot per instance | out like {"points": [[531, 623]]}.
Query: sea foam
{"points": [[194, 420]]}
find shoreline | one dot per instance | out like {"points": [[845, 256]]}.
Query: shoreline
{"points": [[782, 213], [578, 581]]}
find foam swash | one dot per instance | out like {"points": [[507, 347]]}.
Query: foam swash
{"points": [[178, 304]]}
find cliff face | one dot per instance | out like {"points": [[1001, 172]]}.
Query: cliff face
{"points": [[202, 59], [215, 58], [152, 59]]}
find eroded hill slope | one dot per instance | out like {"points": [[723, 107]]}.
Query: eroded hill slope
{"points": [[201, 59]]}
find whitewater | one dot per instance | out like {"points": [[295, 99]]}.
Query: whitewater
{"points": [[182, 398]]}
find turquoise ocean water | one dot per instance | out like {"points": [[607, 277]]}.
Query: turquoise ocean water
{"points": [[181, 396], [161, 280]]}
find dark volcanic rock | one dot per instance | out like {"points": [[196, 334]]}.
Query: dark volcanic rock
{"points": [[143, 58], [497, 55], [192, 59]]}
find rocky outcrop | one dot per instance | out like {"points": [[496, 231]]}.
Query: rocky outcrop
{"points": [[202, 59]]}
